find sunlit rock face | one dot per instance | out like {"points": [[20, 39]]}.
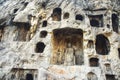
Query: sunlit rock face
{"points": [[59, 40]]}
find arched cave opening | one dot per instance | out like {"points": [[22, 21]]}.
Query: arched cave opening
{"points": [[22, 31], [90, 44], [56, 15], [40, 47], [102, 45]]}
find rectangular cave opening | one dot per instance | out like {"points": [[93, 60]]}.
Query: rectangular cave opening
{"points": [[23, 31], [67, 46], [96, 20], [110, 77]]}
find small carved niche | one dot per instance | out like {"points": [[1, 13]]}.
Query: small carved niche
{"points": [[40, 47], [102, 45], [56, 15], [108, 67], [43, 34], [96, 20], [79, 17], [94, 62], [90, 44], [92, 76], [66, 15], [44, 24], [110, 77], [115, 22]]}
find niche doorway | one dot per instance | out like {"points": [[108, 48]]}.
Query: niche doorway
{"points": [[67, 42]]}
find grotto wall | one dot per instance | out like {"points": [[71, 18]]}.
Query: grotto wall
{"points": [[59, 40]]}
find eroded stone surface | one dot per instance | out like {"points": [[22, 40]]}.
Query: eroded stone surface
{"points": [[80, 40]]}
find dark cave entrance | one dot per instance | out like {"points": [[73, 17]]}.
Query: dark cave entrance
{"points": [[64, 41], [40, 47], [90, 44], [79, 17], [96, 20], [56, 15], [22, 31], [44, 24], [110, 77], [115, 22], [43, 34], [29, 77], [102, 45], [66, 15], [92, 76], [94, 62]]}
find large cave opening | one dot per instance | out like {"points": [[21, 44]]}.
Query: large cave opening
{"points": [[22, 31], [67, 46], [102, 45]]}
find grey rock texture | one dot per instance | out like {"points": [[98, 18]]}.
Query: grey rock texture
{"points": [[59, 40]]}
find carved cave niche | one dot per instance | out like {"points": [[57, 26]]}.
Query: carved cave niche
{"points": [[29, 76], [22, 32], [110, 77], [56, 15], [66, 15], [90, 44], [91, 76], [96, 20], [43, 34], [102, 45], [67, 42], [79, 17], [40, 46], [94, 62], [115, 22]]}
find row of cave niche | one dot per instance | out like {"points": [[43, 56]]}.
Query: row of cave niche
{"points": [[23, 29], [20, 74], [66, 39]]}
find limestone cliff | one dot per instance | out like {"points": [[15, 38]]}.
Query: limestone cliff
{"points": [[59, 40]]}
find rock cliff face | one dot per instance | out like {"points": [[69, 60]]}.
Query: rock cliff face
{"points": [[59, 40]]}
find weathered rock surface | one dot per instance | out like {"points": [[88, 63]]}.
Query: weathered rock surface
{"points": [[59, 40]]}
